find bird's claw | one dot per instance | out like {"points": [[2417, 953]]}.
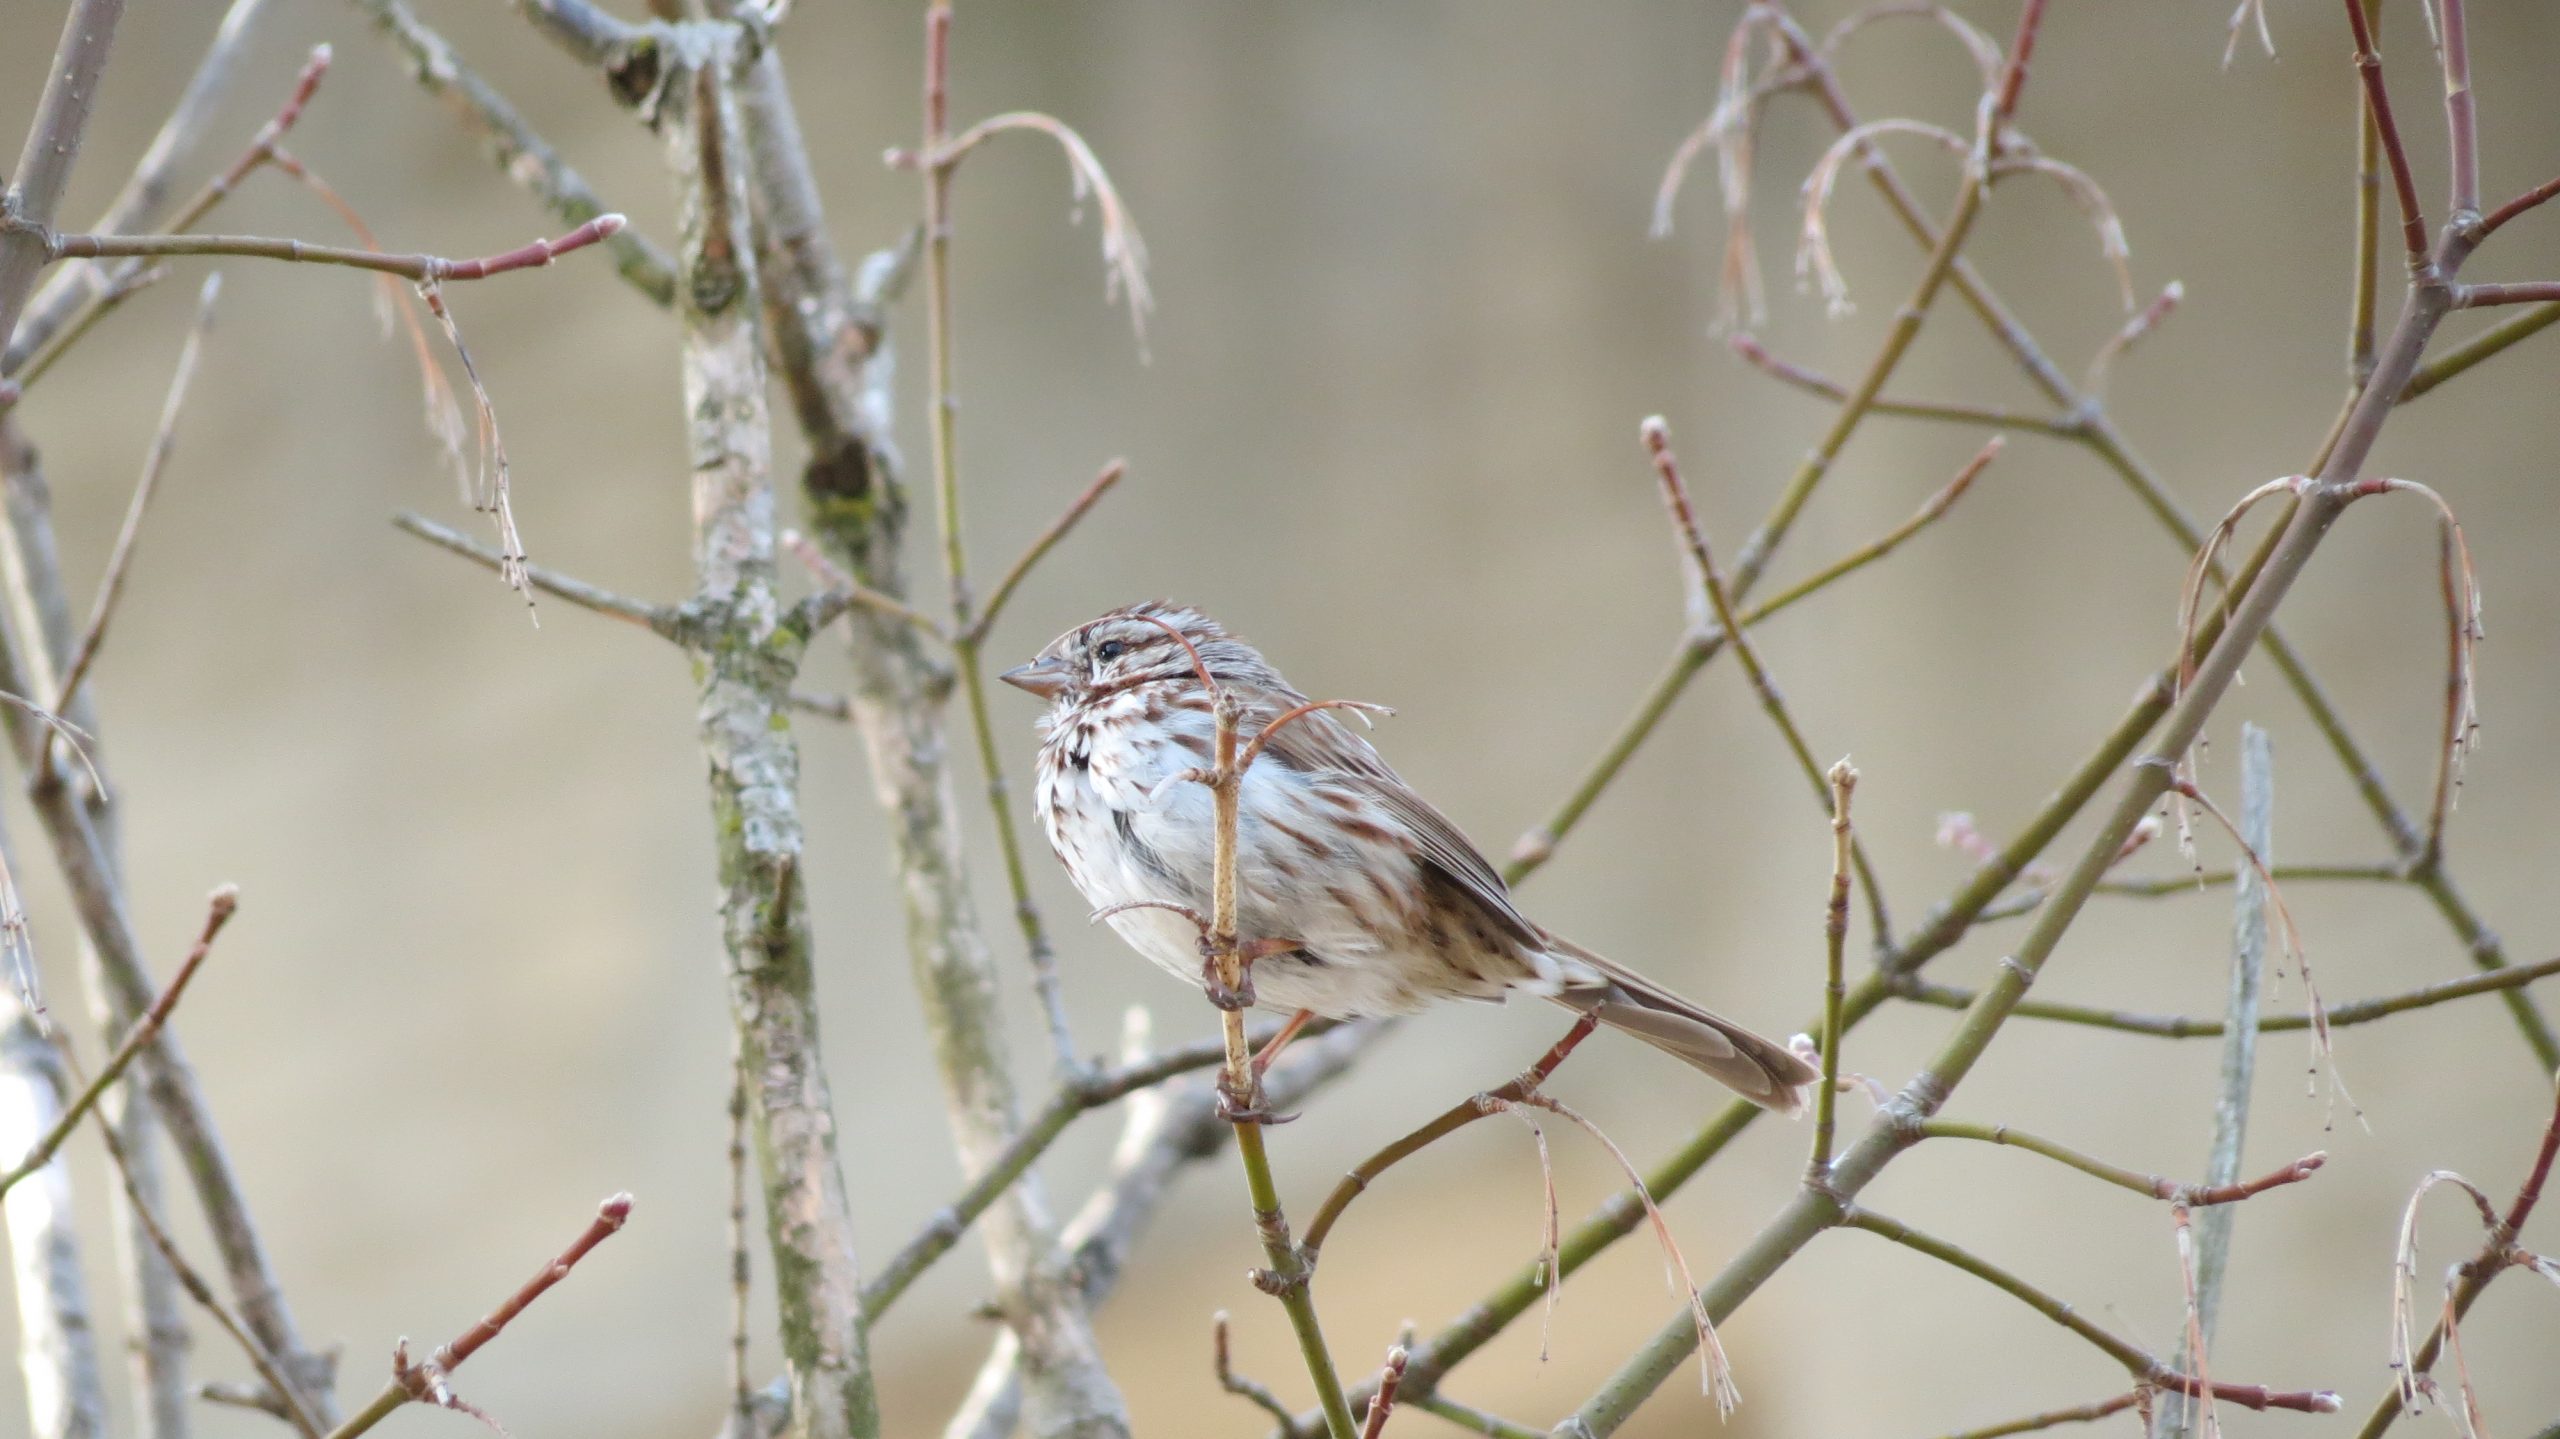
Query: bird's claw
{"points": [[1247, 1108]]}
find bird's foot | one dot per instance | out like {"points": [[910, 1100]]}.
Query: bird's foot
{"points": [[1247, 1108]]}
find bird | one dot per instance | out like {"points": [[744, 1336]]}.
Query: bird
{"points": [[1358, 898]]}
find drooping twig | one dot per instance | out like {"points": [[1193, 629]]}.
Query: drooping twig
{"points": [[1788, 372], [1930, 512], [429, 1381], [2466, 1281], [1456, 1117], [1222, 1365]]}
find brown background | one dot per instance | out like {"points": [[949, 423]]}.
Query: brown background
{"points": [[1409, 321]]}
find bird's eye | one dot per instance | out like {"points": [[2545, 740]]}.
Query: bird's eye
{"points": [[1109, 650]]}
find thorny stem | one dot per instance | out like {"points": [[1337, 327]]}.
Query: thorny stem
{"points": [[1835, 932], [2368, 59], [1763, 542]]}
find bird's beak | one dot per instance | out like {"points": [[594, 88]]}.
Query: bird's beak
{"points": [[1047, 678]]}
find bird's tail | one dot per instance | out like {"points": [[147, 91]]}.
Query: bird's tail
{"points": [[1761, 1070]]}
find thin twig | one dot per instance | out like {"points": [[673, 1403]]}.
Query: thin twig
{"points": [[1720, 601], [518, 150], [290, 1402], [120, 559], [658, 619], [2145, 1369], [420, 269], [428, 1382], [1930, 512], [1835, 933], [1041, 545], [2363, 1011], [225, 901], [2194, 1196]]}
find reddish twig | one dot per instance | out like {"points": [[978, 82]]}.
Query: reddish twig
{"points": [[2531, 292], [2413, 221], [1383, 1402], [420, 268], [225, 901], [1040, 546], [426, 1382], [2536, 196]]}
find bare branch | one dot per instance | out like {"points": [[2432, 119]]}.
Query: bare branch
{"points": [[120, 559], [422, 269], [1042, 544], [40, 1153], [429, 1382], [518, 150], [657, 619]]}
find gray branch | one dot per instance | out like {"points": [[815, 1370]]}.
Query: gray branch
{"points": [[746, 657], [826, 340], [57, 1348]]}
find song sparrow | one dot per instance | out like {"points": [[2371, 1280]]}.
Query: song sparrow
{"points": [[1388, 907]]}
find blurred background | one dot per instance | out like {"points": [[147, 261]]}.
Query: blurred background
{"points": [[1409, 319]]}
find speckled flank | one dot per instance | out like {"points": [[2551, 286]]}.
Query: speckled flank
{"points": [[1392, 908]]}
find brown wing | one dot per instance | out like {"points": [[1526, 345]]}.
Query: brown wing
{"points": [[1318, 743]]}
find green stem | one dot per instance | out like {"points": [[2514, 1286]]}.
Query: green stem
{"points": [[2168, 1026]]}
